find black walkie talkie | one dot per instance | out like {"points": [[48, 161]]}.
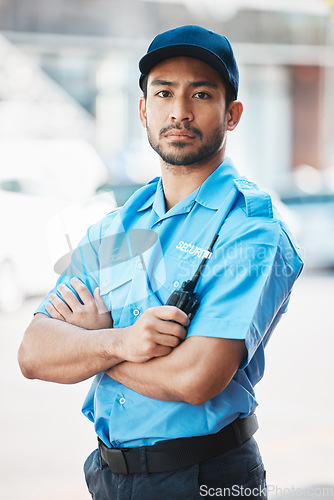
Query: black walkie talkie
{"points": [[185, 298]]}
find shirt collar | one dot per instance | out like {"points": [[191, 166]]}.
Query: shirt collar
{"points": [[159, 200], [150, 200], [182, 207], [206, 195]]}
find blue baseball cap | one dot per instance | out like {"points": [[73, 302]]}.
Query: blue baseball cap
{"points": [[193, 41]]}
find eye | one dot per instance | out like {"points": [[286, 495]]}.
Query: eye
{"points": [[163, 93], [202, 95]]}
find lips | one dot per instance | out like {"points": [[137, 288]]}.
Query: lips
{"points": [[180, 134]]}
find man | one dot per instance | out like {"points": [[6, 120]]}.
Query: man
{"points": [[173, 398]]}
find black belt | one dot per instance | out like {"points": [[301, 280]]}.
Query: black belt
{"points": [[177, 453]]}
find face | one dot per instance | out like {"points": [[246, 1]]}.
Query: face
{"points": [[184, 112]]}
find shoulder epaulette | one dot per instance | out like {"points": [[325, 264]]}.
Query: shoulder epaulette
{"points": [[258, 203]]}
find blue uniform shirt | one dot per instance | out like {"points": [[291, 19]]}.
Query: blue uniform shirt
{"points": [[139, 255]]}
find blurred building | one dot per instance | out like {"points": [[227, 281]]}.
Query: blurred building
{"points": [[90, 49]]}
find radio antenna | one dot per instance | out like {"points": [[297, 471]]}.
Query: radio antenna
{"points": [[190, 284]]}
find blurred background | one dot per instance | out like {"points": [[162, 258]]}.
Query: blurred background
{"points": [[72, 148]]}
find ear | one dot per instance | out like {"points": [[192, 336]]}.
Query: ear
{"points": [[233, 115], [142, 111]]}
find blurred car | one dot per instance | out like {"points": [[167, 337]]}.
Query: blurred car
{"points": [[316, 227], [37, 228]]}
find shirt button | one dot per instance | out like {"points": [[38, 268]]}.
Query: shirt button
{"points": [[136, 312], [176, 284], [122, 401], [140, 266]]}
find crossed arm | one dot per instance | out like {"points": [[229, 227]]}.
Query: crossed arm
{"points": [[149, 357], [194, 372]]}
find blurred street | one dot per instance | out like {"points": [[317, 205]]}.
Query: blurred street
{"points": [[45, 439]]}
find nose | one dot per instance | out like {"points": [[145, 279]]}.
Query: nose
{"points": [[181, 110]]}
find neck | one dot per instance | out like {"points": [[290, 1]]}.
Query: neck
{"points": [[181, 180]]}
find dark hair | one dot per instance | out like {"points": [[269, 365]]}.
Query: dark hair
{"points": [[229, 97]]}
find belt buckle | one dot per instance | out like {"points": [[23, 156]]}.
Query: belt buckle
{"points": [[116, 461]]}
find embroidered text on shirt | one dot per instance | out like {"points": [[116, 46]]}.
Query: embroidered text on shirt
{"points": [[193, 250]]}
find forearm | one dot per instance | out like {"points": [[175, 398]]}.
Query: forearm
{"points": [[194, 372], [169, 378], [57, 351], [154, 379]]}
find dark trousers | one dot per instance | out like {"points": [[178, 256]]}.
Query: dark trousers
{"points": [[238, 473]]}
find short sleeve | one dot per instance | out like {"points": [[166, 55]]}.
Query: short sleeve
{"points": [[246, 284]]}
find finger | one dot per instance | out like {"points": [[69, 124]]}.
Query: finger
{"points": [[69, 296], [171, 328], [166, 340], [167, 327], [82, 290], [99, 301], [53, 312], [60, 306], [170, 313]]}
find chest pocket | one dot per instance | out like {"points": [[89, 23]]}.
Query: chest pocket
{"points": [[127, 290], [134, 285], [116, 282]]}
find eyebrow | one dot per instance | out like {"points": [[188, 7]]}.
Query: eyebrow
{"points": [[201, 83], [159, 82], [204, 83]]}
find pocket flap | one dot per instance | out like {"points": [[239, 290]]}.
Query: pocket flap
{"points": [[116, 275]]}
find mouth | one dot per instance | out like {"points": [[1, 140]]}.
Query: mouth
{"points": [[180, 134]]}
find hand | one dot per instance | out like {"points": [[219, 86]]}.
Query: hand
{"points": [[155, 333], [91, 315]]}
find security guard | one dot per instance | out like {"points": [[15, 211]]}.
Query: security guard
{"points": [[173, 397]]}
